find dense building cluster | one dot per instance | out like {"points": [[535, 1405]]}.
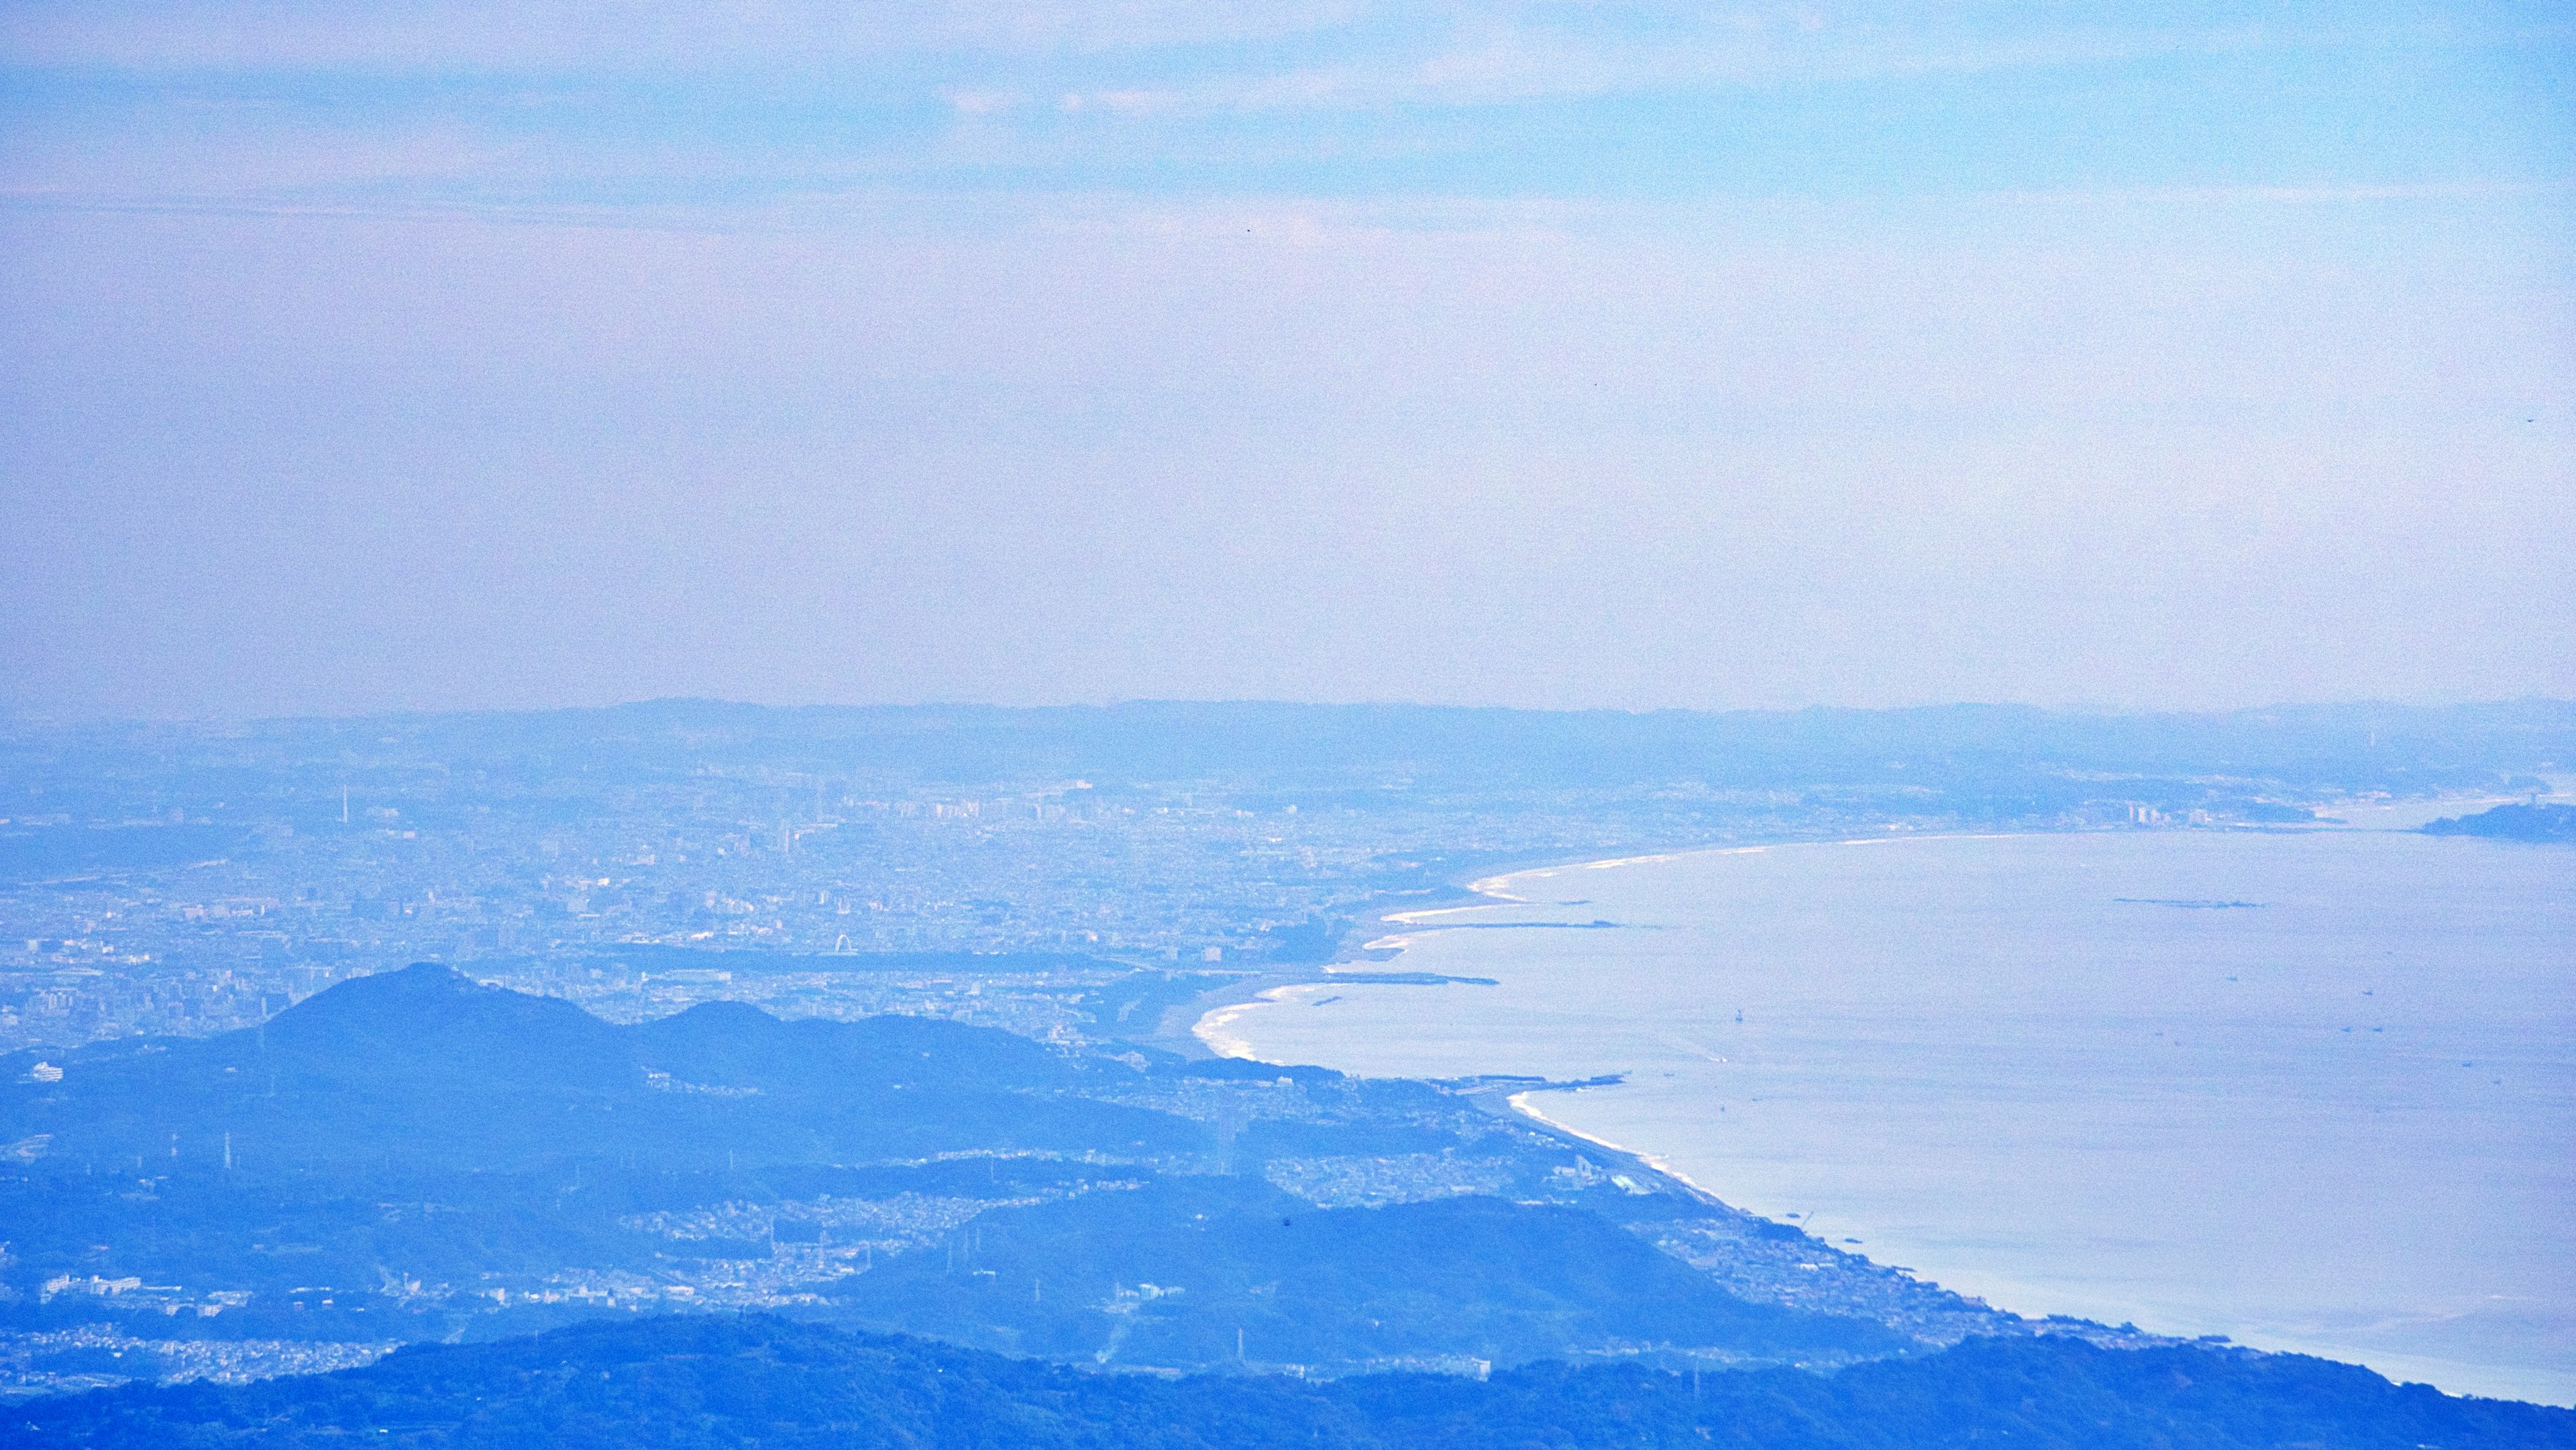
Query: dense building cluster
{"points": [[189, 899], [181, 884]]}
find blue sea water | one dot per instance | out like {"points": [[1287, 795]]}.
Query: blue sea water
{"points": [[2315, 1091]]}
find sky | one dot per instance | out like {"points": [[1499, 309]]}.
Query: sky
{"points": [[445, 356]]}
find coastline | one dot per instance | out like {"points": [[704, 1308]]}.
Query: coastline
{"points": [[1179, 1029], [1218, 1011], [1550, 890], [1195, 1029], [1209, 1029], [1519, 1102], [1198, 1029]]}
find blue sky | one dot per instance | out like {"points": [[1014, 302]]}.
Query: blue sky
{"points": [[1552, 354], [636, 105]]}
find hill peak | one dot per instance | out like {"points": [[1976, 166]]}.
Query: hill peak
{"points": [[428, 1012]]}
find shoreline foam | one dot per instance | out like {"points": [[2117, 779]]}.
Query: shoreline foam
{"points": [[1520, 1103], [1210, 1028], [2464, 1374]]}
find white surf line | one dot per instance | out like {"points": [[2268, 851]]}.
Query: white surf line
{"points": [[1492, 885], [1625, 861], [1945, 836], [1408, 918], [1520, 1103], [1211, 1026]]}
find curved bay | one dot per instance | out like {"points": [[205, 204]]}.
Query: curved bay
{"points": [[2314, 1091]]}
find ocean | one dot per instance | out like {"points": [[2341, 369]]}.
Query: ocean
{"points": [[2315, 1091]]}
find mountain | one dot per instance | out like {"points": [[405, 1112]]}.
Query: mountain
{"points": [[416, 1155], [424, 1068], [1239, 1268], [2532, 822], [682, 1383]]}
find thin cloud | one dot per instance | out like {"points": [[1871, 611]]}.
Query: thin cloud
{"points": [[661, 36], [1495, 63]]}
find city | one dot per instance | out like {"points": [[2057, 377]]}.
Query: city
{"points": [[207, 880]]}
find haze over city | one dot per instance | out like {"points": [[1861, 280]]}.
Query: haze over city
{"points": [[1342, 724]]}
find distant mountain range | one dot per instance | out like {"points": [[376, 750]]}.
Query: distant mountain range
{"points": [[1353, 755]]}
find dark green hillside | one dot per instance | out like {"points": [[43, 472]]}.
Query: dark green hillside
{"points": [[1192, 1263], [685, 1383], [416, 1156], [424, 1068]]}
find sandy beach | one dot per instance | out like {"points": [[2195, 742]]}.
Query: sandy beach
{"points": [[2011, 1062]]}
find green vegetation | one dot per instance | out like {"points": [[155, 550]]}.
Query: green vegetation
{"points": [[416, 1156], [677, 1383]]}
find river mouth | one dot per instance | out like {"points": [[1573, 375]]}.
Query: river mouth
{"points": [[2313, 1091]]}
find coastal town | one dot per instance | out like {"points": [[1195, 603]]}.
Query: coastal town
{"points": [[212, 883], [208, 883]]}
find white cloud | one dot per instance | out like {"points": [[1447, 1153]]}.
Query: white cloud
{"points": [[552, 34]]}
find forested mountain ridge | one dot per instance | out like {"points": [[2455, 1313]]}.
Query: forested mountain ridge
{"points": [[426, 1068], [419, 1157], [702, 1382], [416, 1156]]}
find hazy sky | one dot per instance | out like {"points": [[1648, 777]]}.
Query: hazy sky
{"points": [[442, 355]]}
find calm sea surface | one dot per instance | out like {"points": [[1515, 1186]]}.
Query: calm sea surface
{"points": [[2312, 1091]]}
